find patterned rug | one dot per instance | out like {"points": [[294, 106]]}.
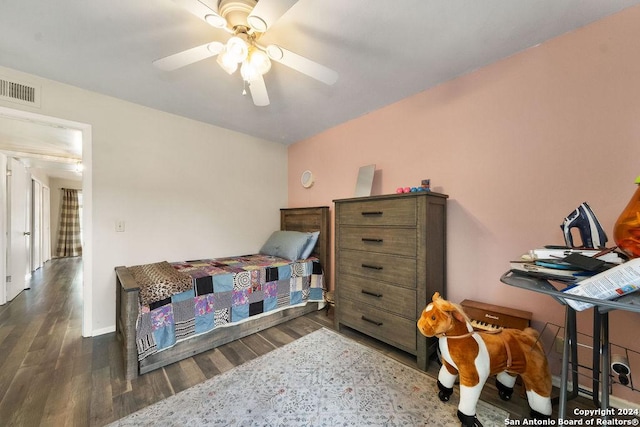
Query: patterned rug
{"points": [[321, 379]]}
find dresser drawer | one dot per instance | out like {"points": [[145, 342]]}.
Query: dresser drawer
{"points": [[388, 268], [379, 324], [401, 301], [398, 241], [399, 211]]}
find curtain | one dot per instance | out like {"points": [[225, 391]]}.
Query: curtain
{"points": [[69, 236]]}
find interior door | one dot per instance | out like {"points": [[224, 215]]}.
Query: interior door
{"points": [[19, 183]]}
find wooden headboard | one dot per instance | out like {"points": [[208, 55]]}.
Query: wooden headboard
{"points": [[311, 219]]}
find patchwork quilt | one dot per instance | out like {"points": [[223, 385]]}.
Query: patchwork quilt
{"points": [[224, 291]]}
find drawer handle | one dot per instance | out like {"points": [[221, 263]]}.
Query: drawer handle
{"points": [[366, 239], [375, 322], [373, 294], [372, 213], [372, 267]]}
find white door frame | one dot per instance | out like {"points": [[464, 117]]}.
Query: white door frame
{"points": [[46, 224], [36, 224], [87, 208], [4, 206]]}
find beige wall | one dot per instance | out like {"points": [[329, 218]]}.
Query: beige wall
{"points": [[184, 189], [516, 145]]}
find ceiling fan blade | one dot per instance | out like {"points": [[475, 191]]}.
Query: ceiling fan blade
{"points": [[259, 92], [266, 12], [204, 12], [302, 64], [189, 56]]}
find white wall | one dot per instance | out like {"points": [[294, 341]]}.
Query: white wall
{"points": [[184, 189]]}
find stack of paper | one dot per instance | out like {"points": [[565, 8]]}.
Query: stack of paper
{"points": [[558, 253], [613, 283], [539, 269], [552, 263]]}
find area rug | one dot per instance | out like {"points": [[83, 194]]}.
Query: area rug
{"points": [[321, 379]]}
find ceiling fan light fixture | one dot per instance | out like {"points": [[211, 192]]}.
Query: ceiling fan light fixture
{"points": [[237, 49], [260, 61], [226, 62], [216, 21], [248, 71]]}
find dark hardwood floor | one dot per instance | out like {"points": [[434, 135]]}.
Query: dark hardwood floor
{"points": [[51, 376]]}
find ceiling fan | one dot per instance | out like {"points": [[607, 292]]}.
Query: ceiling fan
{"points": [[246, 21]]}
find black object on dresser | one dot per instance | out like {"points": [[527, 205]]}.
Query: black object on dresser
{"points": [[390, 257]]}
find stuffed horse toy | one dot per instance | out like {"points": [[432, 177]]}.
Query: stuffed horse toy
{"points": [[473, 356]]}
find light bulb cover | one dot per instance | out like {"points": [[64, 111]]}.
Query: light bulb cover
{"points": [[260, 61], [226, 63], [237, 49], [248, 71]]}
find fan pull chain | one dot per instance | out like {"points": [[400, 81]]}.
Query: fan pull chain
{"points": [[244, 87]]}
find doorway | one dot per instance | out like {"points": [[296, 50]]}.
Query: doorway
{"points": [[27, 121]]}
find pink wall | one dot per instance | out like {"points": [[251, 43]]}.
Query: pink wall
{"points": [[516, 145]]}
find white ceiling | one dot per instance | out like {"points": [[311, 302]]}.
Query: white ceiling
{"points": [[52, 148], [383, 51]]}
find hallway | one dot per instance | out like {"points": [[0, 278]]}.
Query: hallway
{"points": [[45, 359]]}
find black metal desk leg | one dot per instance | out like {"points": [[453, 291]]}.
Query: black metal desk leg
{"points": [[606, 362], [573, 345], [569, 356], [597, 345]]}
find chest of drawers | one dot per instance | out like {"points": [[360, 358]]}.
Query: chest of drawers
{"points": [[390, 258]]}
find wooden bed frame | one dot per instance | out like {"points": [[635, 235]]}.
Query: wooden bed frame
{"points": [[127, 302]]}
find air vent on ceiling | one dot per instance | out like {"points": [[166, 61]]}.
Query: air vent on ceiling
{"points": [[19, 92]]}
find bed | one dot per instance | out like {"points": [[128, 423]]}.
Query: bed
{"points": [[193, 334]]}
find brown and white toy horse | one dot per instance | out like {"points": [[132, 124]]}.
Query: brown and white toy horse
{"points": [[473, 356]]}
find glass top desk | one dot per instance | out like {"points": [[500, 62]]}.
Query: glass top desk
{"points": [[629, 302]]}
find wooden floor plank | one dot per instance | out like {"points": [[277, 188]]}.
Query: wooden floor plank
{"points": [[152, 387], [80, 403], [237, 352], [220, 362], [184, 374], [60, 389], [258, 344], [277, 336], [15, 351], [101, 409]]}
